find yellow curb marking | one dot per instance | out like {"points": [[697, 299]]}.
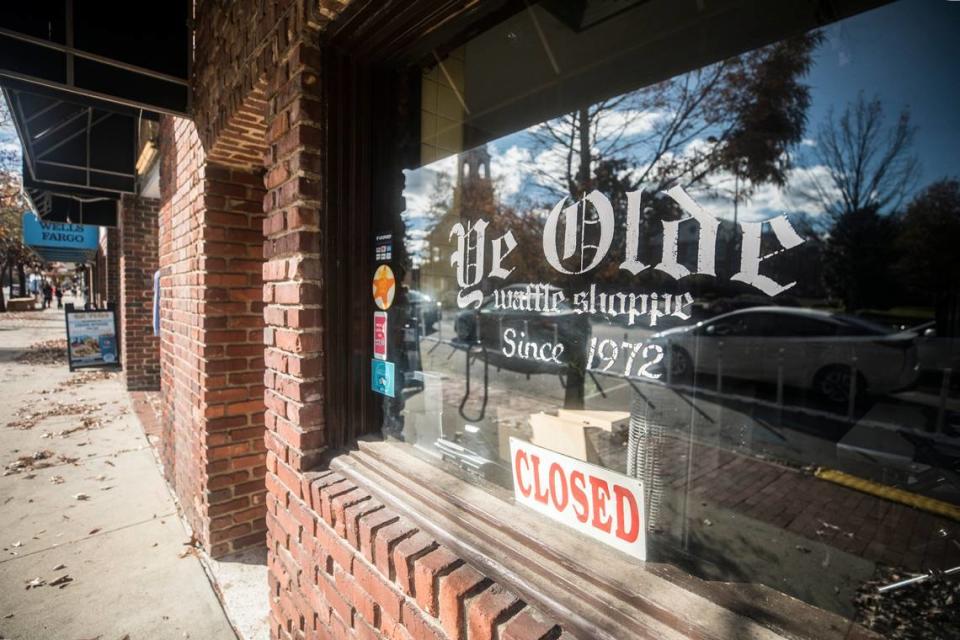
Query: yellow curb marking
{"points": [[893, 494]]}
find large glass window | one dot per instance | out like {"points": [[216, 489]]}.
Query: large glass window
{"points": [[713, 247]]}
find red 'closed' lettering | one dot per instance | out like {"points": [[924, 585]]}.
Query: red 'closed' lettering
{"points": [[578, 487], [538, 494], [521, 457], [558, 490], [600, 493], [624, 496], [602, 504]]}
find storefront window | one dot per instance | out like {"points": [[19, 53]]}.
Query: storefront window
{"points": [[713, 250]]}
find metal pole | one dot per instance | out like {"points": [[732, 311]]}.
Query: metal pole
{"points": [[852, 400], [944, 390]]}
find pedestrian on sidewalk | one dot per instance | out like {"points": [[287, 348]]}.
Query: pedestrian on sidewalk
{"points": [[59, 295], [47, 295]]}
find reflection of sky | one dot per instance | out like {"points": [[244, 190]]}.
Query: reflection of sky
{"points": [[905, 53], [9, 142], [900, 53]]}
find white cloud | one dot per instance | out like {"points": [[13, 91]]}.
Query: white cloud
{"points": [[627, 123], [511, 169], [769, 200], [418, 187]]}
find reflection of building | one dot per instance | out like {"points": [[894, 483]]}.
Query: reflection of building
{"points": [[473, 195]]}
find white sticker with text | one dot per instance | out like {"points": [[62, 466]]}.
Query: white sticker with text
{"points": [[600, 503]]}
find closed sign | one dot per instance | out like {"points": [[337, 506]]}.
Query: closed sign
{"points": [[600, 503]]}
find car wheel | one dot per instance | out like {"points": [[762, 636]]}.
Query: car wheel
{"points": [[833, 383]]}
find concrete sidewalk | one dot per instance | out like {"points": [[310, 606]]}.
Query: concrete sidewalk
{"points": [[91, 545]]}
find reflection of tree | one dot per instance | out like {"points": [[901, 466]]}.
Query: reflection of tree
{"points": [[928, 243], [858, 259], [870, 165], [802, 264], [740, 115]]}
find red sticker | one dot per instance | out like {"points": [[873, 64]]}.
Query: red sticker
{"points": [[380, 335]]}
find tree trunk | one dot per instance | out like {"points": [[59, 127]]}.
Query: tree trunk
{"points": [[22, 276], [3, 302], [577, 368]]}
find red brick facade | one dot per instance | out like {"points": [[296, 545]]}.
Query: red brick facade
{"points": [[243, 359], [113, 267], [344, 565], [211, 331], [139, 349]]}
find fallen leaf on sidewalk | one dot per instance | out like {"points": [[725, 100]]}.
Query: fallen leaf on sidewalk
{"points": [[17, 544], [60, 567], [36, 582], [8, 616], [45, 352], [62, 581], [94, 531], [57, 479], [81, 496]]}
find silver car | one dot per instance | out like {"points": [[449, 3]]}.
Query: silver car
{"points": [[805, 348]]}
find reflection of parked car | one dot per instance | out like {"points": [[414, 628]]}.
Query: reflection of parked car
{"points": [[934, 352], [423, 308], [487, 326], [809, 348]]}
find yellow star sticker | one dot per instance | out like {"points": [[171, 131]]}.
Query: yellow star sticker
{"points": [[384, 286]]}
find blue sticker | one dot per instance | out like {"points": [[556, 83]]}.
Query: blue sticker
{"points": [[382, 377]]}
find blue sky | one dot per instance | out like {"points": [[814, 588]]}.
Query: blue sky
{"points": [[906, 53]]}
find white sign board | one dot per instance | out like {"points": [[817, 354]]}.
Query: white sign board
{"points": [[600, 503]]}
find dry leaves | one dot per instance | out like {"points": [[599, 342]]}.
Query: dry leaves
{"points": [[81, 378], [915, 612], [38, 460], [46, 352], [28, 417]]}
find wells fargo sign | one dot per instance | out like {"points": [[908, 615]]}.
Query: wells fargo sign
{"points": [[600, 503]]}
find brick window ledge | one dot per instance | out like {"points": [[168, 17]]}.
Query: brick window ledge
{"points": [[593, 591]]}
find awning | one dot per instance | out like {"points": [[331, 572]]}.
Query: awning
{"points": [[71, 205], [79, 155], [110, 51], [81, 77], [86, 145]]}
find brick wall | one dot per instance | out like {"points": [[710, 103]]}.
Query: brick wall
{"points": [[113, 266], [341, 565], [344, 565], [139, 349], [211, 336]]}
